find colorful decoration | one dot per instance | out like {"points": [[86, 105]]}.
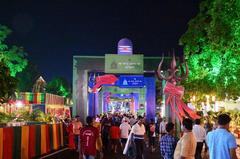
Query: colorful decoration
{"points": [[32, 98], [46, 102], [1, 143], [27, 142], [174, 93], [54, 99], [105, 79]]}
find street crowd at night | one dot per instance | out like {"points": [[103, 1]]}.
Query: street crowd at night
{"points": [[120, 79], [108, 134]]}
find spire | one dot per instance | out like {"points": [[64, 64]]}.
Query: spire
{"points": [[39, 86]]}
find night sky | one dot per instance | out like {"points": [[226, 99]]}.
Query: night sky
{"points": [[52, 31]]}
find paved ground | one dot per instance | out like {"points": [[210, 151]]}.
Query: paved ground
{"points": [[65, 153]]}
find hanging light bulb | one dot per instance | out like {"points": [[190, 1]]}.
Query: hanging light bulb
{"points": [[213, 98], [194, 98]]}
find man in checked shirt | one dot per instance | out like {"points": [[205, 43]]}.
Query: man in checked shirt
{"points": [[168, 142]]}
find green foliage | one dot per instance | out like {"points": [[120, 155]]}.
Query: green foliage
{"points": [[59, 86], [12, 56], [234, 114], [4, 117], [212, 46], [24, 115], [8, 84], [40, 116]]}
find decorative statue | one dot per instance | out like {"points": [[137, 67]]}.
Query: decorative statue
{"points": [[174, 93]]}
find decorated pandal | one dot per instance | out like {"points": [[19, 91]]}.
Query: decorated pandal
{"points": [[45, 102], [30, 139]]}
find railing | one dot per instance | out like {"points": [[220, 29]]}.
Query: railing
{"points": [[25, 142]]}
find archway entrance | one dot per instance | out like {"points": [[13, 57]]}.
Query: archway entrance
{"points": [[127, 67], [128, 94]]}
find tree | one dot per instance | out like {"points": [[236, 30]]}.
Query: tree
{"points": [[13, 57], [8, 84], [212, 47], [27, 77], [59, 86]]}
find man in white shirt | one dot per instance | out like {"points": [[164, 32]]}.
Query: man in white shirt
{"points": [[124, 128], [138, 131], [200, 135], [125, 117], [132, 120], [162, 127]]}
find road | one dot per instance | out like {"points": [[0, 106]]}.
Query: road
{"points": [[67, 154]]}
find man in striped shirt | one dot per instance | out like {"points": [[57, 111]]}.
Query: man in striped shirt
{"points": [[168, 142], [138, 131]]}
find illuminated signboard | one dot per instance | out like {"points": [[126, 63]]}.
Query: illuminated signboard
{"points": [[129, 64]]}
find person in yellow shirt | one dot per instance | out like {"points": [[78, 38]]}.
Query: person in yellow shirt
{"points": [[186, 146], [99, 144]]}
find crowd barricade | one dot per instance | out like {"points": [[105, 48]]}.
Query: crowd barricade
{"points": [[26, 142]]}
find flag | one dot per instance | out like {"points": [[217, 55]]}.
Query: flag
{"points": [[104, 79]]}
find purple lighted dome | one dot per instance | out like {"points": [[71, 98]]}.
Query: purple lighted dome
{"points": [[125, 46], [125, 41]]}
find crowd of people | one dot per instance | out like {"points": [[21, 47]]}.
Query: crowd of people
{"points": [[124, 133]]}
